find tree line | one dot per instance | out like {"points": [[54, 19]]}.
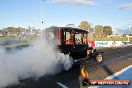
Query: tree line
{"points": [[97, 30], [17, 31]]}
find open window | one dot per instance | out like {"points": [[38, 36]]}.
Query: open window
{"points": [[69, 37], [78, 37]]}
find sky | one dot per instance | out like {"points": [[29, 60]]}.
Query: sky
{"points": [[25, 13]]}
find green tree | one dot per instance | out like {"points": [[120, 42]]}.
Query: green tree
{"points": [[9, 29], [84, 25], [99, 30], [107, 30], [13, 30], [17, 30]]}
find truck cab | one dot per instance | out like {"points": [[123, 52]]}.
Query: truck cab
{"points": [[72, 41], [69, 40]]}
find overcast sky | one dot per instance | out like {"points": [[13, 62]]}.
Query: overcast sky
{"points": [[24, 13]]}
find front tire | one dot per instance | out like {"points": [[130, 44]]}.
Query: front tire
{"points": [[99, 58]]}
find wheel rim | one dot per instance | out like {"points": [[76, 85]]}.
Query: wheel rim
{"points": [[99, 58]]}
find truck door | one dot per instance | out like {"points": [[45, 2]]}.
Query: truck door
{"points": [[68, 39]]}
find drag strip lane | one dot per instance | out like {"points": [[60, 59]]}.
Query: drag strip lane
{"points": [[115, 59], [111, 65]]}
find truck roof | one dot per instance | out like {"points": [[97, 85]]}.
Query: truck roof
{"points": [[51, 28]]}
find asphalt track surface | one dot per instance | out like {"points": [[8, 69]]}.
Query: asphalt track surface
{"points": [[115, 59]]}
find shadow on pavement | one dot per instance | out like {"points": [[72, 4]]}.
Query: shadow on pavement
{"points": [[107, 70]]}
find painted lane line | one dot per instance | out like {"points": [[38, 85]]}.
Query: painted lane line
{"points": [[118, 73], [62, 85]]}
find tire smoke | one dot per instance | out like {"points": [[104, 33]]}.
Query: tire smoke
{"points": [[34, 61]]}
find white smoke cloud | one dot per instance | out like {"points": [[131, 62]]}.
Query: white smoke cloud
{"points": [[82, 2], [126, 6], [35, 61]]}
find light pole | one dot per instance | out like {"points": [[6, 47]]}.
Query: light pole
{"points": [[129, 27], [128, 34], [41, 6]]}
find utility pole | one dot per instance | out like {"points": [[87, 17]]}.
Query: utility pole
{"points": [[129, 28], [41, 6], [128, 34]]}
